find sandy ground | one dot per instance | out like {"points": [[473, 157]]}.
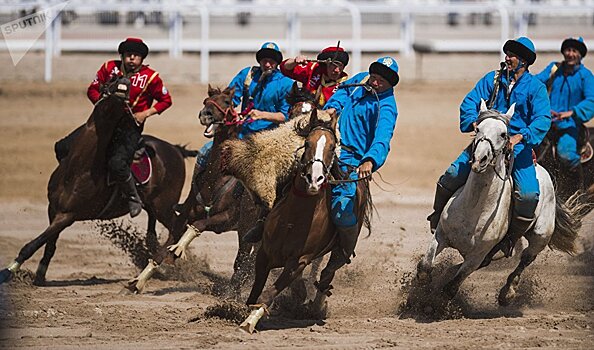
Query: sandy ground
{"points": [[81, 307]]}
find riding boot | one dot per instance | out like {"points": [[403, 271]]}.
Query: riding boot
{"points": [[442, 196], [254, 235], [518, 226], [128, 188], [347, 239]]}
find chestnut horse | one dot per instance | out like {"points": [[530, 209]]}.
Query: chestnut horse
{"points": [[566, 185], [299, 228], [216, 202], [78, 189]]}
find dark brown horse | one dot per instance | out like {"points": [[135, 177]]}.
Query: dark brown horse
{"points": [[216, 202], [299, 228], [78, 189], [567, 183]]}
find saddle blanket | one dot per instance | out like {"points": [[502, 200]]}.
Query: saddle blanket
{"points": [[141, 167]]}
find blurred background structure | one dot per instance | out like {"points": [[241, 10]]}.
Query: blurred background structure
{"points": [[235, 26]]}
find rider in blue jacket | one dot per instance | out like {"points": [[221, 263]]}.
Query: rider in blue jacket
{"points": [[367, 117], [527, 128], [261, 91], [571, 90]]}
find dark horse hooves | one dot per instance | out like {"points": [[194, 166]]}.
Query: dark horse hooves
{"points": [[5, 276]]}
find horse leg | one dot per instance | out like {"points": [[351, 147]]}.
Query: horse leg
{"points": [[152, 243], [48, 253], [243, 266], [292, 270], [137, 284], [469, 265], [262, 272], [536, 243], [425, 265], [337, 260], [57, 225]]}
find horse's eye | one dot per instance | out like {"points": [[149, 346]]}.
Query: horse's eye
{"points": [[503, 135], [477, 130]]}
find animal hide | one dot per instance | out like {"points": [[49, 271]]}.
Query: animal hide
{"points": [[268, 158]]}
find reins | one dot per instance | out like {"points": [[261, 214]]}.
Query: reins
{"points": [[237, 120]]}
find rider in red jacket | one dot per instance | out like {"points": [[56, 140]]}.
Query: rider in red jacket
{"points": [[145, 87], [321, 79]]}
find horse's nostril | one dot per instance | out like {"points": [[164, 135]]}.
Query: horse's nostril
{"points": [[320, 179], [308, 178], [484, 159]]}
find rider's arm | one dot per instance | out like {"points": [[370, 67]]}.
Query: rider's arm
{"points": [[101, 77], [341, 96], [380, 146], [469, 108], [299, 72], [540, 117], [158, 91], [275, 117], [544, 75], [584, 111]]}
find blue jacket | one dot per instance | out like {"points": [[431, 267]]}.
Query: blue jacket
{"points": [[572, 92], [366, 123], [269, 97], [532, 116]]}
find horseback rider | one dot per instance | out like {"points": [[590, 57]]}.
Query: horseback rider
{"points": [[367, 114], [513, 84], [146, 86], [571, 90], [260, 92], [321, 78]]}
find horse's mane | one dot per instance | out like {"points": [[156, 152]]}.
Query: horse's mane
{"points": [[491, 114], [301, 94]]}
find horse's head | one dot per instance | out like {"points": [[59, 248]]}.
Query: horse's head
{"points": [[491, 140], [320, 150], [118, 87], [218, 110], [301, 101]]}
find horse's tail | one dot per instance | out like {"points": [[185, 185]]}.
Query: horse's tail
{"points": [[185, 151], [568, 221]]}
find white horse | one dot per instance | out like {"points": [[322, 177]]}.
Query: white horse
{"points": [[477, 216]]}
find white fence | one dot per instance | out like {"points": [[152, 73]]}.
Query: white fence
{"points": [[178, 34]]}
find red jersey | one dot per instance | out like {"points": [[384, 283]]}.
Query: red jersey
{"points": [[311, 75], [146, 86]]}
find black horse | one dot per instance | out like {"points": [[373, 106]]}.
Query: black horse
{"points": [[78, 189]]}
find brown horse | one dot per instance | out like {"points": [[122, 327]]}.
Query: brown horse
{"points": [[299, 228], [566, 182], [78, 189], [216, 202]]}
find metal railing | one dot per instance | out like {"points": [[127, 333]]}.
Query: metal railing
{"points": [[512, 17]]}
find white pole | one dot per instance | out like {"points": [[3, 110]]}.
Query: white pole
{"points": [[205, 26]]}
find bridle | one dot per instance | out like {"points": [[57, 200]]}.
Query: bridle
{"points": [[506, 151], [304, 165]]}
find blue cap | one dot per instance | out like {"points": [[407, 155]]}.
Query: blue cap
{"points": [[387, 68], [269, 50], [522, 47]]}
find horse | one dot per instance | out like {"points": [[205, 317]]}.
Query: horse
{"points": [[299, 228], [566, 185], [216, 202], [78, 188], [476, 218]]}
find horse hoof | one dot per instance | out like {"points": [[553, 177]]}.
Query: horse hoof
{"points": [[505, 299], [5, 276]]}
